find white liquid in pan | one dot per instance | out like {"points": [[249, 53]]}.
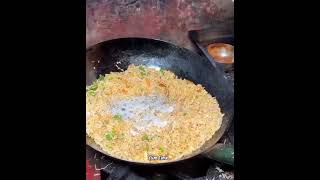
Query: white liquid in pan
{"points": [[144, 111]]}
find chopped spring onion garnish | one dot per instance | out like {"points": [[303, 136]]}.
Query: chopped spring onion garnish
{"points": [[162, 71], [161, 149], [117, 117], [146, 138], [110, 135], [143, 70], [91, 90]]}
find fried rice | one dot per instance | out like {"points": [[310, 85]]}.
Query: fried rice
{"points": [[176, 117]]}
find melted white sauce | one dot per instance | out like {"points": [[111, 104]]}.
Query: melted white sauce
{"points": [[143, 111]]}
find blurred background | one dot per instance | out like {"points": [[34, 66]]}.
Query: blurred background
{"points": [[161, 19]]}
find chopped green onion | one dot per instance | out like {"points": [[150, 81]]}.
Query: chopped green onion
{"points": [[161, 149], [184, 114], [162, 71], [143, 70], [117, 117], [91, 90], [146, 138], [110, 136], [92, 93], [113, 131], [109, 77], [92, 87], [101, 77]]}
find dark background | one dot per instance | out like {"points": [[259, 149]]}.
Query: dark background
{"points": [[43, 87]]}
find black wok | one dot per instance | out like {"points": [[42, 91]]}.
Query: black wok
{"points": [[117, 54]]}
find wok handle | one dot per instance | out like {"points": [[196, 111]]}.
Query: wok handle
{"points": [[222, 153]]}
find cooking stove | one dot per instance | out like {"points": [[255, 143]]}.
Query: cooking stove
{"points": [[101, 167]]}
